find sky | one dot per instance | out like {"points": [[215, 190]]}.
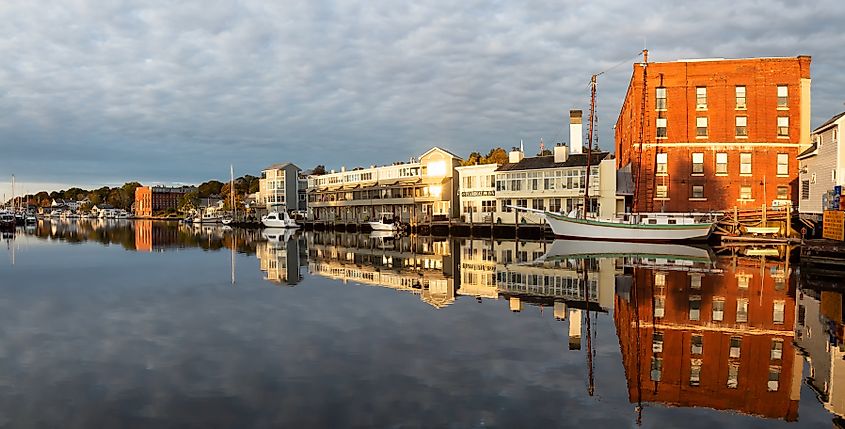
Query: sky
{"points": [[101, 92]]}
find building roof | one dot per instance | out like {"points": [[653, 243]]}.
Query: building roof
{"points": [[548, 161], [829, 122], [810, 151], [281, 166], [440, 149]]}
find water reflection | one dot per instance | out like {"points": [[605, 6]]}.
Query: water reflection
{"points": [[694, 329]]}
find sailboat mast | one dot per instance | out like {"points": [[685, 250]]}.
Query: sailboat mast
{"points": [[14, 203], [232, 188], [590, 144]]}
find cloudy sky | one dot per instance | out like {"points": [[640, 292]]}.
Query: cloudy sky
{"points": [[105, 91]]}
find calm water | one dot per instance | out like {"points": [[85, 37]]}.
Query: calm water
{"points": [[142, 324]]}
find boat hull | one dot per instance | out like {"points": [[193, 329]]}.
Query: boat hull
{"points": [[378, 226], [598, 230]]}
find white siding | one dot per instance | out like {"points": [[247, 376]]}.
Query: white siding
{"points": [[828, 159]]}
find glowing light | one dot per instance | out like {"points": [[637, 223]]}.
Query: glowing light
{"points": [[437, 169]]}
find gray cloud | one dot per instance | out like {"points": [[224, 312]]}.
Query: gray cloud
{"points": [[102, 92]]}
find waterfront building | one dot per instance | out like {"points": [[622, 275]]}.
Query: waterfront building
{"points": [[719, 339], [478, 269], [716, 133], [477, 192], [821, 168], [418, 191], [65, 204], [152, 199], [150, 236], [280, 261], [278, 187], [97, 208]]}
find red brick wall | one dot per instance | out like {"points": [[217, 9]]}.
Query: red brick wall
{"points": [[143, 201], [761, 78]]}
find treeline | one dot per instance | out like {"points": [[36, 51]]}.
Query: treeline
{"points": [[122, 197]]}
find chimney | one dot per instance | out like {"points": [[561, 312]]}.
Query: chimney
{"points": [[515, 156], [561, 153], [343, 169], [576, 130], [574, 329]]}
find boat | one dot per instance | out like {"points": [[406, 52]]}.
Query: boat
{"points": [[30, 219], [579, 249], [276, 219], [386, 222], [654, 227], [7, 220], [227, 220], [208, 218], [277, 235]]}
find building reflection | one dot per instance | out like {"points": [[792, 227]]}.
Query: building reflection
{"points": [[422, 266], [281, 256], [819, 333], [718, 338]]}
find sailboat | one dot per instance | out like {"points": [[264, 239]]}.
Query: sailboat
{"points": [[229, 219], [648, 227]]}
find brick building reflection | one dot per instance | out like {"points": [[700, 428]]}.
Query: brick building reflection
{"points": [[150, 236], [718, 338]]}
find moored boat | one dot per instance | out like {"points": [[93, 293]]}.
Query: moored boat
{"points": [[657, 227], [386, 222], [276, 219], [7, 220]]}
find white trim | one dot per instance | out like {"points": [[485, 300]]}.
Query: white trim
{"points": [[721, 144]]}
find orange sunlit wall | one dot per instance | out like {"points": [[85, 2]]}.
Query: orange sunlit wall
{"points": [[704, 115], [721, 341]]}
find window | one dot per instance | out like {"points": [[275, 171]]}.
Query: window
{"points": [[656, 368], [701, 126], [701, 98], [659, 306], [718, 309], [554, 205], [662, 192], [805, 189], [783, 164], [783, 96], [721, 163], [695, 280], [697, 191], [698, 163], [661, 128], [488, 206], [745, 193], [697, 344], [742, 310], [777, 350], [695, 372], [777, 313], [660, 97], [695, 307], [774, 379], [740, 97], [736, 345], [783, 126], [783, 193], [506, 206], [733, 373], [662, 163], [742, 126], [745, 163], [537, 204], [657, 342], [549, 184]]}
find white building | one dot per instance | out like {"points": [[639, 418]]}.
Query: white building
{"points": [[477, 192], [821, 167], [278, 187]]}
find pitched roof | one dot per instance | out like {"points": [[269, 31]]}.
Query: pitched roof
{"points": [[810, 151], [440, 149], [548, 161], [829, 122], [280, 166]]}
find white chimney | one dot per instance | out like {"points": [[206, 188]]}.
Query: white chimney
{"points": [[574, 329], [576, 130], [561, 153], [515, 156], [343, 169]]}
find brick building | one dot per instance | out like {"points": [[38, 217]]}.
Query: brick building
{"points": [[151, 199], [715, 133], [721, 340]]}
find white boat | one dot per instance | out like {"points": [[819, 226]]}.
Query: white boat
{"points": [[386, 222], [31, 219], [659, 227], [276, 219], [7, 220], [227, 220], [208, 218], [277, 235]]}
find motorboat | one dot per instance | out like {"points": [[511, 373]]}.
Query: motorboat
{"points": [[276, 219], [30, 219], [7, 220], [645, 227], [386, 222], [208, 218], [277, 235]]}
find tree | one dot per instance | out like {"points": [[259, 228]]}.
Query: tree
{"points": [[212, 187], [189, 201], [319, 170], [495, 156], [472, 159]]}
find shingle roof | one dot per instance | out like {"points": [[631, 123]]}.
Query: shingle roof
{"points": [[808, 152], [279, 166], [548, 161], [829, 121]]}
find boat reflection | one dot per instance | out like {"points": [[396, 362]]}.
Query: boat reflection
{"points": [[281, 256]]}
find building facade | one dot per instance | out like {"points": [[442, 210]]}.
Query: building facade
{"points": [[715, 133], [278, 187], [477, 192], [152, 199], [821, 168], [418, 191]]}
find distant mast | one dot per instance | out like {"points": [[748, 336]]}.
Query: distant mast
{"points": [[590, 144]]}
